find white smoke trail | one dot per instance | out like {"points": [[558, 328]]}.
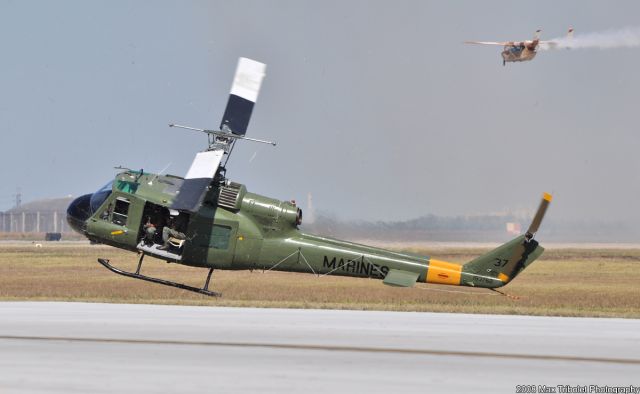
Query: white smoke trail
{"points": [[628, 37]]}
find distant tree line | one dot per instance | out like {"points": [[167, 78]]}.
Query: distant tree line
{"points": [[479, 228]]}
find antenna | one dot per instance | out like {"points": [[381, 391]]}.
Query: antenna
{"points": [[18, 198], [158, 174]]}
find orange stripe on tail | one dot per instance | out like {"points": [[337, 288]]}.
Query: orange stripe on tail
{"points": [[443, 272]]}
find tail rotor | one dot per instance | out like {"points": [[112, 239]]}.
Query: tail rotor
{"points": [[528, 244]]}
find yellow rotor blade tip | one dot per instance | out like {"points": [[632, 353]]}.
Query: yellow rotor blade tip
{"points": [[547, 196]]}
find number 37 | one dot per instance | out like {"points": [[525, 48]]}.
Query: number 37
{"points": [[500, 262]]}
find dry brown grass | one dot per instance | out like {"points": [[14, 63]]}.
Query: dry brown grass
{"points": [[38, 237], [565, 282]]}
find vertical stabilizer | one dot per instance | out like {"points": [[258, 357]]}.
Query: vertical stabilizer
{"points": [[507, 261], [536, 35]]}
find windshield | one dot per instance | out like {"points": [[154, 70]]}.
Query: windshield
{"points": [[98, 197]]}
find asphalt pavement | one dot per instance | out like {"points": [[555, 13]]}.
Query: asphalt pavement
{"points": [[94, 348]]}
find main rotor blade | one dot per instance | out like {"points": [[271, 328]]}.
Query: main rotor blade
{"points": [[542, 209], [489, 42], [202, 171], [244, 93]]}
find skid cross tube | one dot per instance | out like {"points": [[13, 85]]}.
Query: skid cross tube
{"points": [[182, 286]]}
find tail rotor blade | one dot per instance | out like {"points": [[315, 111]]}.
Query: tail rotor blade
{"points": [[513, 265], [537, 219]]}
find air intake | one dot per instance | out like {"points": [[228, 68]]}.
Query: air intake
{"points": [[229, 196]]}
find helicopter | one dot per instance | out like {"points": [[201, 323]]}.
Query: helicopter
{"points": [[206, 220], [522, 51]]}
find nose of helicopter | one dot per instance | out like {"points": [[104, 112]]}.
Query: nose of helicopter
{"points": [[78, 212]]}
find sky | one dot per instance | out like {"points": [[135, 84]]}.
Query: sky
{"points": [[378, 108]]}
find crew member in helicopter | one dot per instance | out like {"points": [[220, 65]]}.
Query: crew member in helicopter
{"points": [[169, 231], [149, 232]]}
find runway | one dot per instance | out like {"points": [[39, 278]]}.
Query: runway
{"points": [[81, 347]]}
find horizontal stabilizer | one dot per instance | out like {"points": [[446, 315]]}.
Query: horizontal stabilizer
{"points": [[201, 173], [401, 278], [244, 93]]}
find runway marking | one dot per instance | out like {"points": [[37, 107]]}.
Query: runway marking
{"points": [[330, 348]]}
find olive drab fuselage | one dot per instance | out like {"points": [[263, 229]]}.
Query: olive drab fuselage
{"points": [[238, 230]]}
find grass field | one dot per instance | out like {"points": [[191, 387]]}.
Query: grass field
{"points": [[564, 282]]}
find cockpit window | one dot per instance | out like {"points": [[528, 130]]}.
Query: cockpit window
{"points": [[127, 186], [121, 211], [98, 197]]}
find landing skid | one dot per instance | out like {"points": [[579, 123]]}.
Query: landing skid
{"points": [[136, 275]]}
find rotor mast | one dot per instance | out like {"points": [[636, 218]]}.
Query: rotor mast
{"points": [[208, 166]]}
